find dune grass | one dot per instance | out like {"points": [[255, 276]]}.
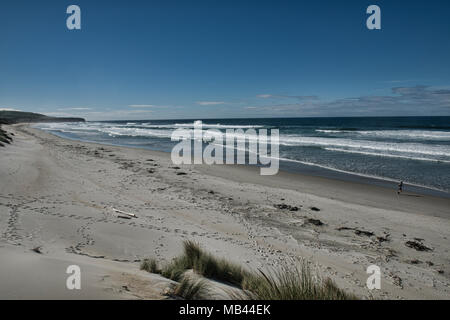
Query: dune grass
{"points": [[291, 283], [150, 265], [191, 289], [211, 267], [175, 269], [205, 264], [286, 283]]}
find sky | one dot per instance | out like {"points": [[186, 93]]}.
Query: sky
{"points": [[225, 59]]}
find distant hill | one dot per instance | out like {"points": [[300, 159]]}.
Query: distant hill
{"points": [[9, 117]]}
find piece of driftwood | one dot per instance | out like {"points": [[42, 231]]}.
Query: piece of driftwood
{"points": [[126, 213]]}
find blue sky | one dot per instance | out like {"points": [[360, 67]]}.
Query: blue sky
{"points": [[215, 59]]}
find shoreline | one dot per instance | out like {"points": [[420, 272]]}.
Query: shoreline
{"points": [[59, 194], [342, 180], [313, 170], [341, 190]]}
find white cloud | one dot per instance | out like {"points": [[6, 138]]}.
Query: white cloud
{"points": [[8, 109], [59, 114], [279, 96], [210, 103], [143, 106], [75, 109], [134, 111], [404, 101]]}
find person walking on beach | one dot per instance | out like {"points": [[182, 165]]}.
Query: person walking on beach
{"points": [[400, 187]]}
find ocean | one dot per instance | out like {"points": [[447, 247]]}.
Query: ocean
{"points": [[415, 150]]}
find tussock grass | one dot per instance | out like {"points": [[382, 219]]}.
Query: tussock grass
{"points": [[175, 269], [150, 265], [211, 267], [285, 283], [191, 289], [291, 283], [205, 264]]}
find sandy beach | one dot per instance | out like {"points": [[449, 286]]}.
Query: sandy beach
{"points": [[65, 198]]}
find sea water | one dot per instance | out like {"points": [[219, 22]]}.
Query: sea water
{"points": [[415, 150]]}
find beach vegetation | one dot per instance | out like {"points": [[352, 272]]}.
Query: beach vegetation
{"points": [[297, 282], [191, 289], [150, 265]]}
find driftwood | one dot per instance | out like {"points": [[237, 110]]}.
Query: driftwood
{"points": [[131, 215]]}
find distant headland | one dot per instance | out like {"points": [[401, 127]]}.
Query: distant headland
{"points": [[10, 117]]}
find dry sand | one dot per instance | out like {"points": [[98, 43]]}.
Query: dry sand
{"points": [[60, 195]]}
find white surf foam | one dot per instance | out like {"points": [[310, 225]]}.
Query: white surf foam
{"points": [[395, 134]]}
